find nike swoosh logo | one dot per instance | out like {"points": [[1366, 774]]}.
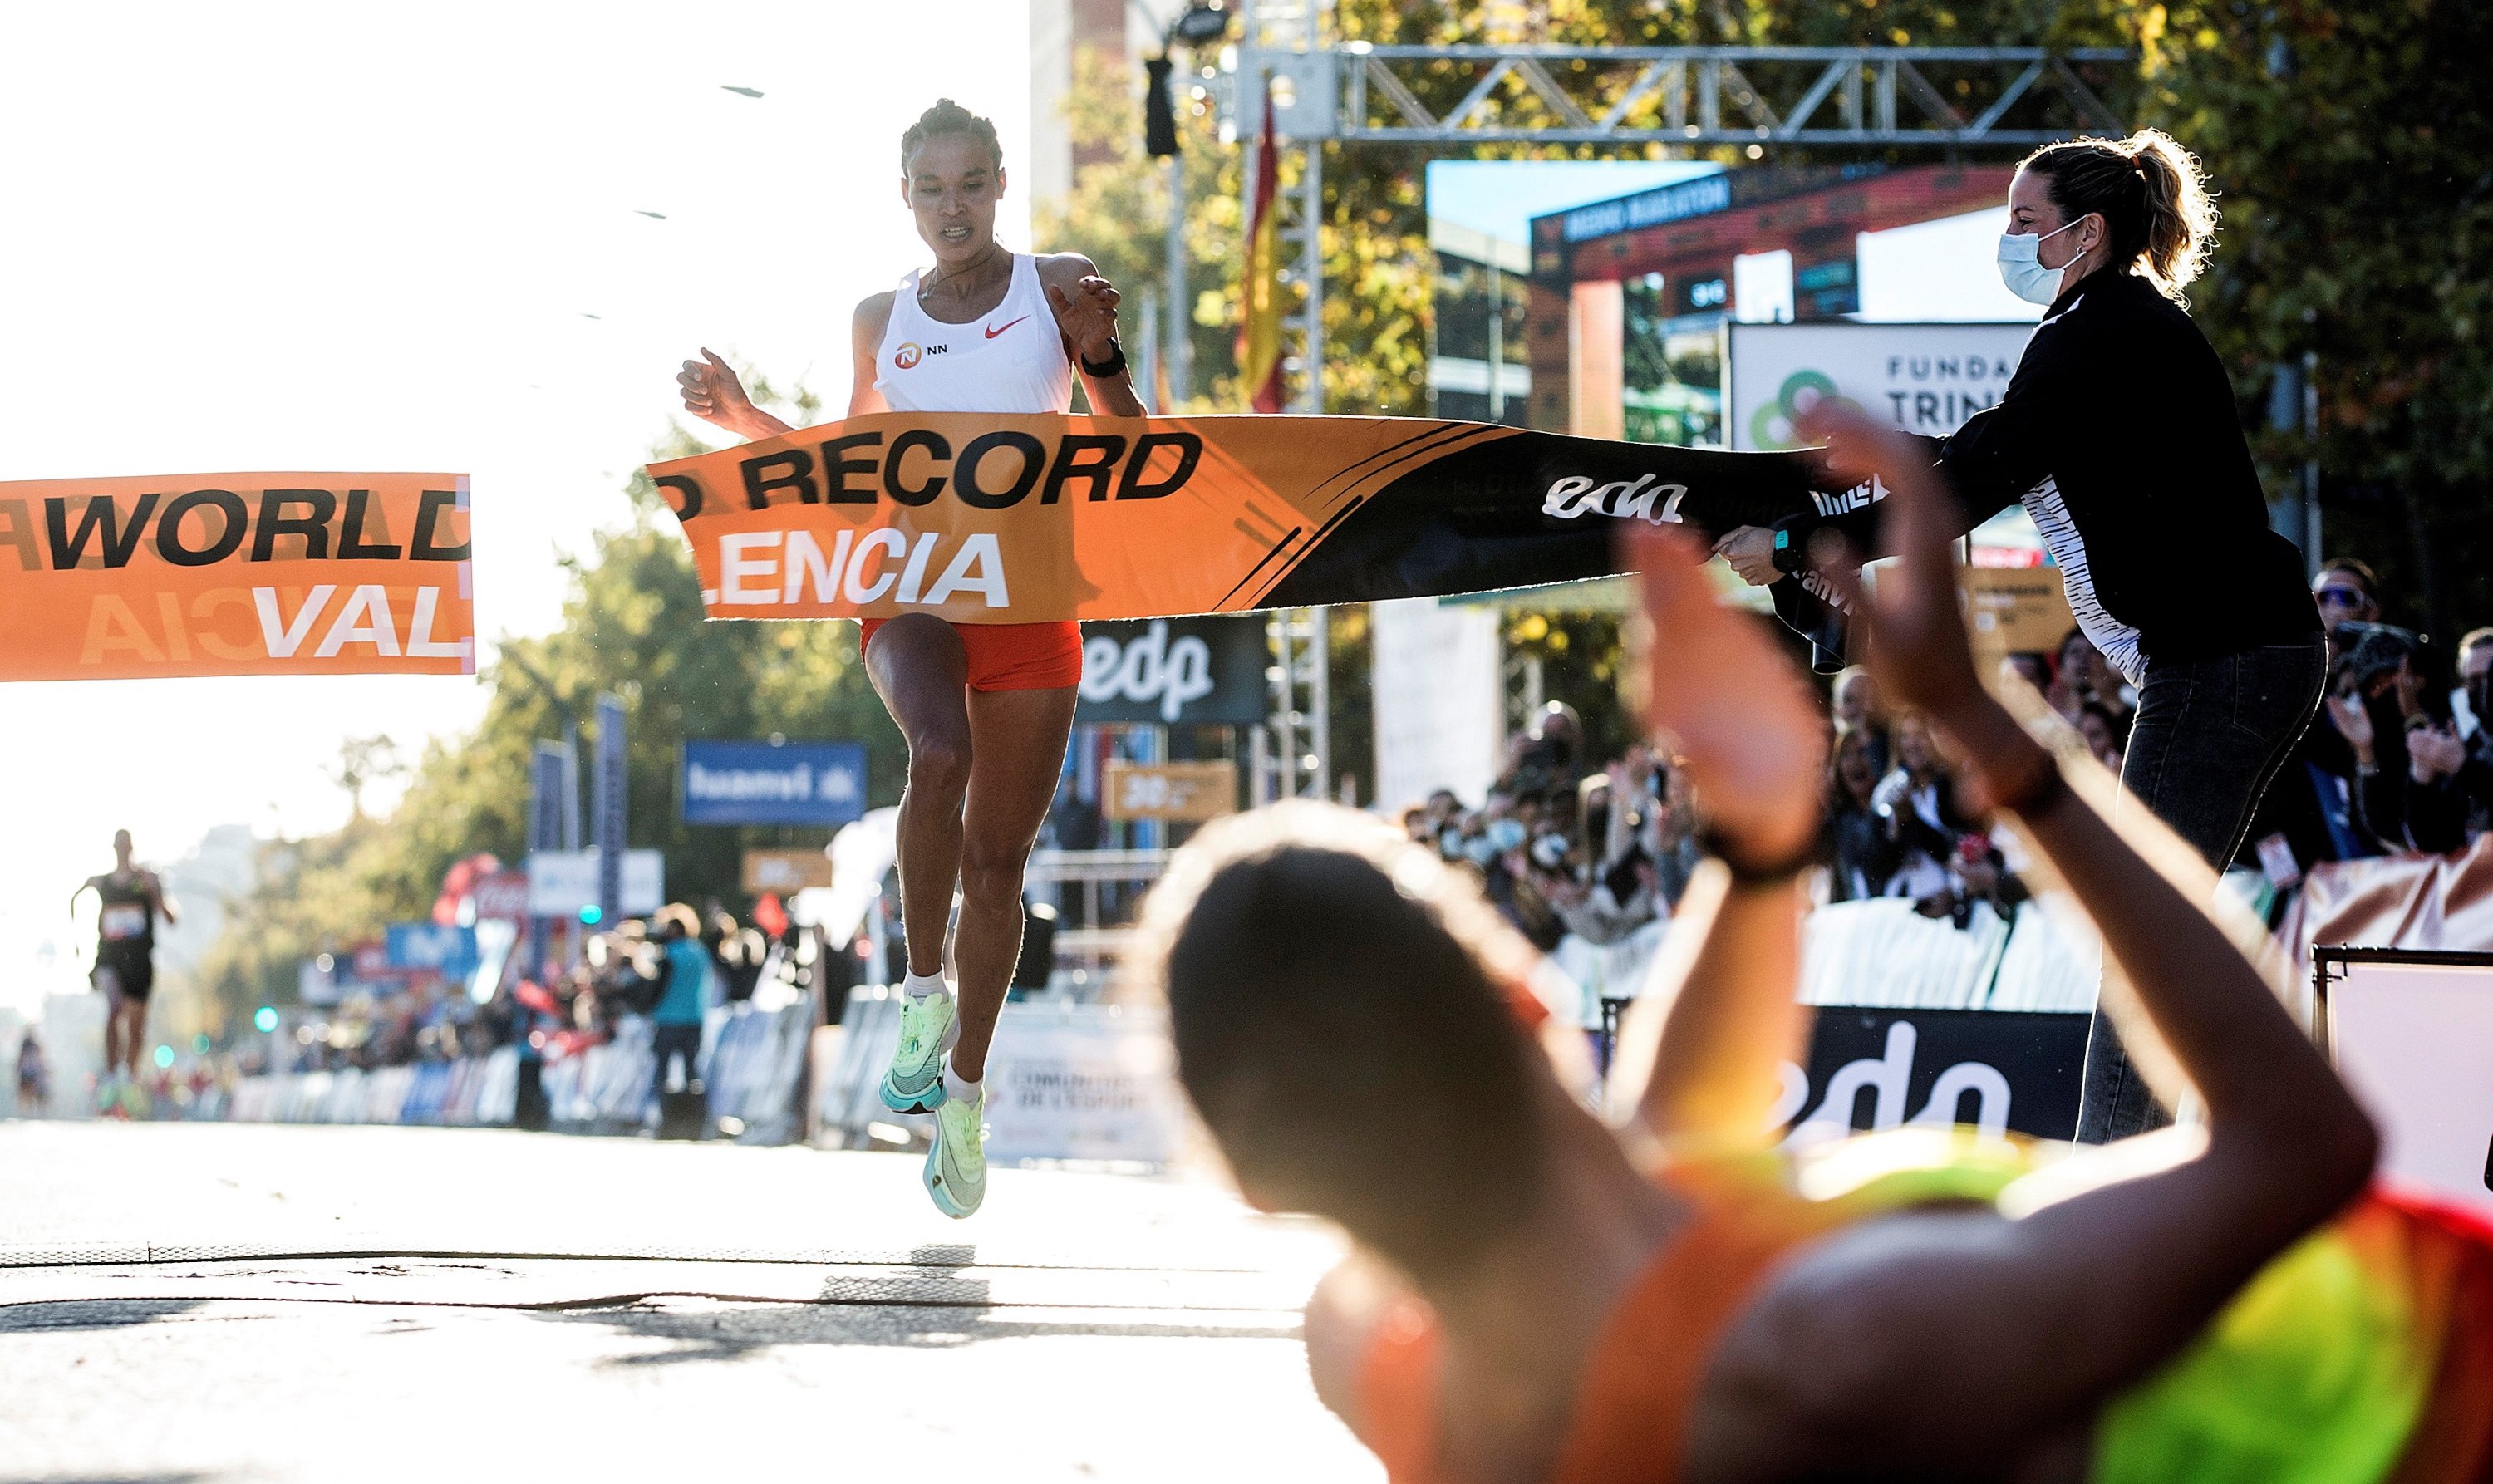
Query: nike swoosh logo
{"points": [[1001, 327]]}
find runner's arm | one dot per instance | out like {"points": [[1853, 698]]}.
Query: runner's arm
{"points": [[165, 906], [1699, 1053], [1702, 1054], [865, 341], [1937, 1341], [1086, 313]]}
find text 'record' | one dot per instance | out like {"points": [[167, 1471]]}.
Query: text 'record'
{"points": [[980, 518]]}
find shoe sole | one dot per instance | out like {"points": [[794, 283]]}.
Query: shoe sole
{"points": [[930, 1097]]}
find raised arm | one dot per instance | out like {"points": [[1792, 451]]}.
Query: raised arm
{"points": [[1928, 1342], [1086, 313], [712, 393], [1699, 1056]]}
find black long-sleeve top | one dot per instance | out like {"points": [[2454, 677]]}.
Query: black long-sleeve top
{"points": [[2121, 435]]}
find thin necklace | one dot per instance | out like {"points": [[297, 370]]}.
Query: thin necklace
{"points": [[926, 290]]}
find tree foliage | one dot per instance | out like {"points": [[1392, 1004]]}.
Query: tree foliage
{"points": [[2353, 152]]}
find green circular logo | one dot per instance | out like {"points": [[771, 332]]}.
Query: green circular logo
{"points": [[1772, 425]]}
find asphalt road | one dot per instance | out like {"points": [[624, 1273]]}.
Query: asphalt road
{"points": [[185, 1303]]}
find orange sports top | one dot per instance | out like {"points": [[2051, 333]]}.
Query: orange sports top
{"points": [[2364, 1352], [1639, 1384]]}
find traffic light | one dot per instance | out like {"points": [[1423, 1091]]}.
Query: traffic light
{"points": [[592, 915], [1160, 110], [266, 1018]]}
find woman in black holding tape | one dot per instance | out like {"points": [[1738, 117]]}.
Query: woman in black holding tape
{"points": [[2121, 435]]}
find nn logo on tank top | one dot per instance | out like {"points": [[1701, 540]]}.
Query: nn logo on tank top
{"points": [[910, 353]]}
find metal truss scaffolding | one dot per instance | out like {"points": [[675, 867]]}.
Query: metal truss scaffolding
{"points": [[1982, 99], [1876, 95]]}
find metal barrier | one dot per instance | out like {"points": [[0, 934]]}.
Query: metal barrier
{"points": [[1094, 945]]}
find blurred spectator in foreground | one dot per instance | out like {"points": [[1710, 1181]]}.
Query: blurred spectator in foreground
{"points": [[34, 1076]]}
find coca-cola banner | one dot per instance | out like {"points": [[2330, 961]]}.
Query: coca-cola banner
{"points": [[1175, 671]]}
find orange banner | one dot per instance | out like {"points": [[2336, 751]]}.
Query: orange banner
{"points": [[984, 519], [235, 575]]}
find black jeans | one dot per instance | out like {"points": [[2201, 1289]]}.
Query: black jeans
{"points": [[2209, 737]]}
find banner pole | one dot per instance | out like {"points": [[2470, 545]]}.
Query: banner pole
{"points": [[1319, 696], [1175, 363]]}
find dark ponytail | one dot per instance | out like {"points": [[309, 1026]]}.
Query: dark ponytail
{"points": [[948, 117], [2151, 194]]}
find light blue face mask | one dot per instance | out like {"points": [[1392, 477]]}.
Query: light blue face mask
{"points": [[2021, 266], [1505, 835]]}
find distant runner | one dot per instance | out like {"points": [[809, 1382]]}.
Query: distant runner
{"points": [[132, 899]]}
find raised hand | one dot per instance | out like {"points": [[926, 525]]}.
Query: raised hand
{"points": [[1918, 648], [712, 393], [2434, 751], [1087, 317], [1743, 720], [2353, 722], [1750, 552]]}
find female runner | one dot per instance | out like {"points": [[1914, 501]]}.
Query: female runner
{"points": [[987, 708]]}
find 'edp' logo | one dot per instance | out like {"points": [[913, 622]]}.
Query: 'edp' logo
{"points": [[1150, 669]]}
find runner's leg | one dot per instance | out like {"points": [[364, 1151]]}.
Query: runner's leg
{"points": [[108, 980], [1018, 739], [134, 1031], [921, 672]]}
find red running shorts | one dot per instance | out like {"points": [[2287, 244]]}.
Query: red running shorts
{"points": [[1013, 656]]}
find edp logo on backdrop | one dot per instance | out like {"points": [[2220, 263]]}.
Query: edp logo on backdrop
{"points": [[1203, 670]]}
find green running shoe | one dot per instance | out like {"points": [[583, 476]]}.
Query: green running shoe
{"points": [[956, 1166], [928, 1027]]}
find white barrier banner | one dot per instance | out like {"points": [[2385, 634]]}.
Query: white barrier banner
{"points": [[1082, 1082]]}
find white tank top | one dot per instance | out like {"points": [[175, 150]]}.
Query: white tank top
{"points": [[1010, 359]]}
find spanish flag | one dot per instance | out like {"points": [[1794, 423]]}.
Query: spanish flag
{"points": [[1259, 322]]}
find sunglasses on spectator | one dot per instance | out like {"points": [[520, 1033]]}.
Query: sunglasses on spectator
{"points": [[2342, 597]]}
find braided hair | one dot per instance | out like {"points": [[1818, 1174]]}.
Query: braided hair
{"points": [[948, 117], [2151, 195]]}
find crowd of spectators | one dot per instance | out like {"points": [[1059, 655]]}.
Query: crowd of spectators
{"points": [[2397, 762], [1564, 848]]}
